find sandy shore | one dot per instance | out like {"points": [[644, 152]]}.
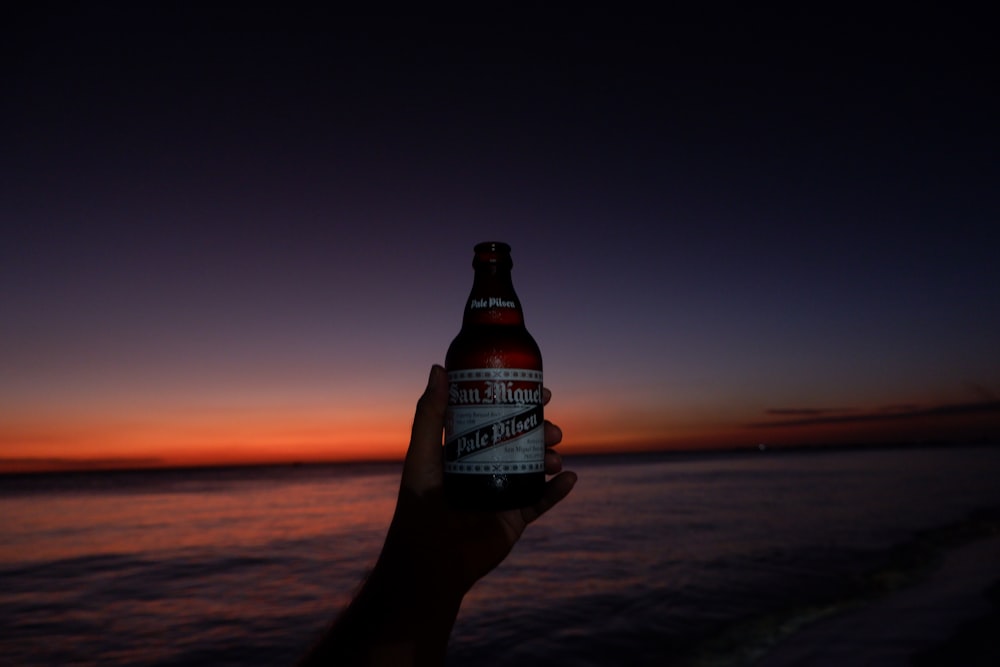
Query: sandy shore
{"points": [[938, 621]]}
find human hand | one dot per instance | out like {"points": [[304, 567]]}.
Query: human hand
{"points": [[432, 556], [444, 550]]}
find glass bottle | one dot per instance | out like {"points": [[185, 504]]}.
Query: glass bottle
{"points": [[494, 454]]}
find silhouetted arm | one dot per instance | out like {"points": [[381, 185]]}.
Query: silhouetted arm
{"points": [[433, 554]]}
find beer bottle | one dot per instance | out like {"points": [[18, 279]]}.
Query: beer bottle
{"points": [[494, 454]]}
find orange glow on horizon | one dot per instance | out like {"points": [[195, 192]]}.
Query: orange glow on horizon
{"points": [[51, 444], [245, 437], [203, 439]]}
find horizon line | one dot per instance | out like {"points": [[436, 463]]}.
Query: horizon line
{"points": [[43, 465]]}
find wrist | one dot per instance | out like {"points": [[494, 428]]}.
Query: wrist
{"points": [[406, 619], [414, 590]]}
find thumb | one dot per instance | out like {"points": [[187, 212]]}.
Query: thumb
{"points": [[422, 469]]}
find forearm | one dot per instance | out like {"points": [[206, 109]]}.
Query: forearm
{"points": [[432, 556], [394, 620]]}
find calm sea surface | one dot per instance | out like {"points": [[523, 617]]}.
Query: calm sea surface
{"points": [[705, 558]]}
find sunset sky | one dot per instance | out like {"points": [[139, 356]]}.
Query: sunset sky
{"points": [[244, 236]]}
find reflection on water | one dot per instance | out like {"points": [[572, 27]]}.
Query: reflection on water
{"points": [[191, 510], [244, 567], [184, 567]]}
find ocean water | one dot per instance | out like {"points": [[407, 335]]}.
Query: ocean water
{"points": [[654, 559]]}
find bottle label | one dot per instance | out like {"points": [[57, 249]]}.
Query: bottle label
{"points": [[494, 422], [478, 304]]}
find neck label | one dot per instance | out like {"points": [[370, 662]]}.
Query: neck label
{"points": [[492, 302]]}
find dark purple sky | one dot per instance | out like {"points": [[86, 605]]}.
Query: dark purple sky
{"points": [[220, 218]]}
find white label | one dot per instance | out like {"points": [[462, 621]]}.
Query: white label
{"points": [[494, 423]]}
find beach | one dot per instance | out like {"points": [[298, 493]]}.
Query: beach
{"points": [[941, 620]]}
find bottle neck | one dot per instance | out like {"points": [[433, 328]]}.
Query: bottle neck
{"points": [[493, 300]]}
